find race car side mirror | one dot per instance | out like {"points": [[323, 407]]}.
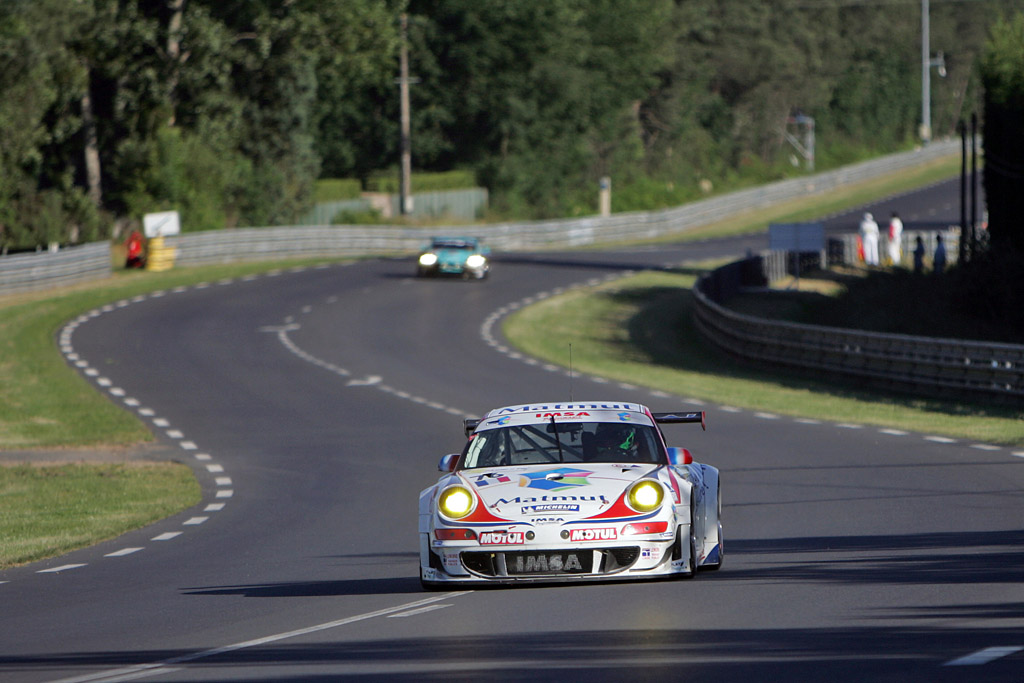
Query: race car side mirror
{"points": [[679, 456], [447, 463]]}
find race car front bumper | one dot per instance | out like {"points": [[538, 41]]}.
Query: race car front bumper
{"points": [[640, 559]]}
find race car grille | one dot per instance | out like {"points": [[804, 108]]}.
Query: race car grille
{"points": [[550, 562]]}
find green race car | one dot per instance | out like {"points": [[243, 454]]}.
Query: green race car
{"points": [[463, 256]]}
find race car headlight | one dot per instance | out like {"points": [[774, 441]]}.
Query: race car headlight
{"points": [[455, 502], [645, 496], [475, 261], [428, 259]]}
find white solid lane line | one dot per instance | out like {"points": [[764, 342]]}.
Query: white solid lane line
{"points": [[63, 567], [133, 672], [418, 610], [985, 656]]}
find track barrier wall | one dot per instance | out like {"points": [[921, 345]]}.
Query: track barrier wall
{"points": [[948, 368]]}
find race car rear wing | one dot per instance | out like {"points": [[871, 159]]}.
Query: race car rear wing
{"points": [[677, 418], [470, 424]]}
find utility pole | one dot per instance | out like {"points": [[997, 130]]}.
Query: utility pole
{"points": [[974, 184], [961, 128], [406, 205], [926, 73], [926, 76]]}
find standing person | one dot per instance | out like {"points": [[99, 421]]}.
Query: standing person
{"points": [[895, 239], [869, 236], [939, 260], [919, 256]]}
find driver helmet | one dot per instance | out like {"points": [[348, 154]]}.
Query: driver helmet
{"points": [[615, 440]]}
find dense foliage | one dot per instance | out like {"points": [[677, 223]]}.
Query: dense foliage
{"points": [[229, 110], [1002, 73]]}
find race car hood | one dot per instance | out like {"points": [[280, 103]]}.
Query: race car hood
{"points": [[452, 256], [578, 490]]}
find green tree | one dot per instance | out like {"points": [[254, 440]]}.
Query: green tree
{"points": [[1002, 75], [42, 80], [355, 112]]}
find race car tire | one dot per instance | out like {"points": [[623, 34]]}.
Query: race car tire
{"points": [[691, 563], [721, 538], [430, 585], [693, 550]]}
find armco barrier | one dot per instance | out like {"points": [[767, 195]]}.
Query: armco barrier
{"points": [[42, 271], [923, 365], [46, 270], [299, 241]]}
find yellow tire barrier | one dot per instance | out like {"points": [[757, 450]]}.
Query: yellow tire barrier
{"points": [[159, 255]]}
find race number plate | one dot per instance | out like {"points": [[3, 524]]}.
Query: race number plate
{"points": [[574, 562]]}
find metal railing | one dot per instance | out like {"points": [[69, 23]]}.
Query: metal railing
{"points": [[20, 273], [924, 365], [46, 270], [299, 241]]}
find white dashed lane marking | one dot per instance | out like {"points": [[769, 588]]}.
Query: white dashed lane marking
{"points": [[368, 381], [74, 358]]}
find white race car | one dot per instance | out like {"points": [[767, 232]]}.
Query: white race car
{"points": [[570, 492]]}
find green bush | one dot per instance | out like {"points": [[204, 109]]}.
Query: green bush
{"points": [[337, 189], [350, 217], [423, 182], [185, 174]]}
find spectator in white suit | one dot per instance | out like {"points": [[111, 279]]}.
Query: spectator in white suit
{"points": [[895, 237], [869, 238]]}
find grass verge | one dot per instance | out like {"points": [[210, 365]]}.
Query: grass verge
{"points": [[639, 330], [52, 509]]}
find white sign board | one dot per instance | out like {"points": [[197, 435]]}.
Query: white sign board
{"points": [[161, 224], [797, 237]]}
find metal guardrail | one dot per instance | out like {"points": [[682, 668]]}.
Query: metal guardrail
{"points": [[300, 241], [46, 270], [79, 263], [935, 366]]}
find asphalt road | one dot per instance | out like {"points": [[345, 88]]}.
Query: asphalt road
{"points": [[314, 405]]}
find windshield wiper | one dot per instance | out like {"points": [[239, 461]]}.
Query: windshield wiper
{"points": [[558, 440]]}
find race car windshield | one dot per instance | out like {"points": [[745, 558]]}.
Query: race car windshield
{"points": [[451, 244], [573, 442]]}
